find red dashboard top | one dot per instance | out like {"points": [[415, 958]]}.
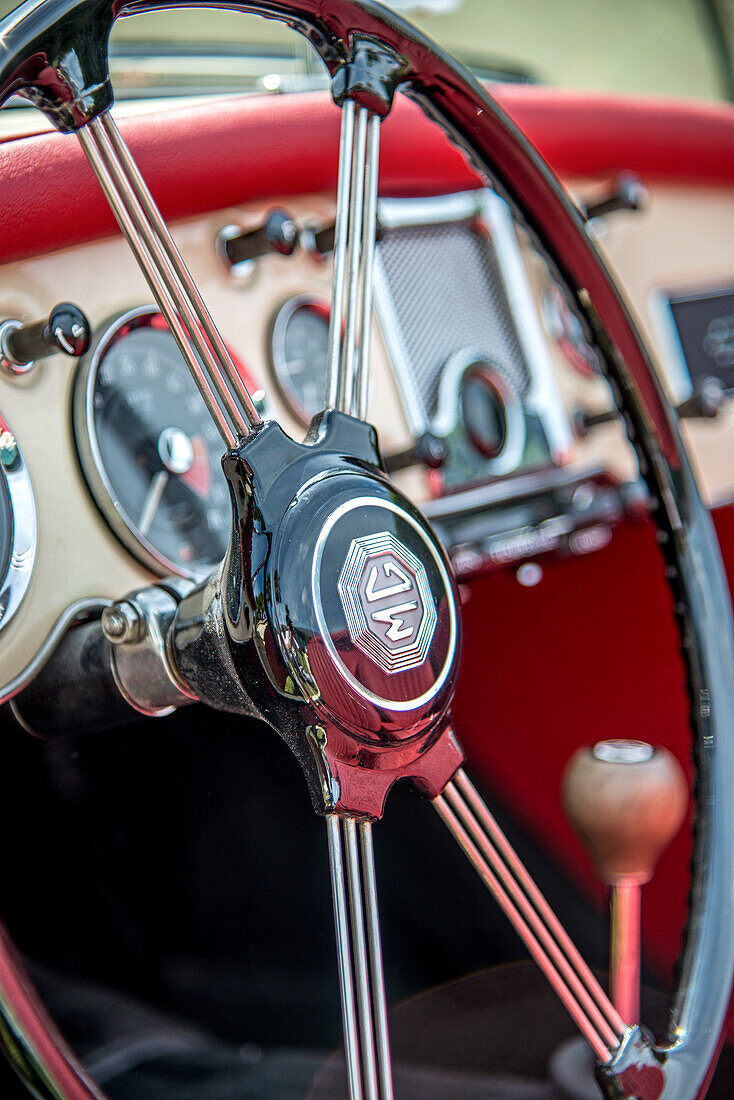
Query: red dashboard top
{"points": [[228, 151]]}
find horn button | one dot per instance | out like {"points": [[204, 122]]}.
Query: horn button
{"points": [[385, 612], [339, 585]]}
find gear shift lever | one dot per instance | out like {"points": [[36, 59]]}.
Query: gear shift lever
{"points": [[626, 800]]}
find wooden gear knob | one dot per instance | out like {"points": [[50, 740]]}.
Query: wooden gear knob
{"points": [[626, 801]]}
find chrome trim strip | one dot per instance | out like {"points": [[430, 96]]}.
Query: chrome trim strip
{"points": [[529, 484], [24, 540], [457, 206], [413, 407], [543, 396]]}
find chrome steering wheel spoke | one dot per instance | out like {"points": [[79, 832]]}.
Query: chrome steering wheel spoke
{"points": [[474, 828], [347, 385], [205, 352], [351, 856], [359, 952]]}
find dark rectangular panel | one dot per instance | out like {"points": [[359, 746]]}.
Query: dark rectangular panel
{"points": [[705, 327]]}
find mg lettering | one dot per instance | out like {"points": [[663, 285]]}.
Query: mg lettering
{"points": [[387, 602]]}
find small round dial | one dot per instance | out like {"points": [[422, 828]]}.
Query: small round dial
{"points": [[149, 450], [299, 343], [566, 330], [484, 410]]}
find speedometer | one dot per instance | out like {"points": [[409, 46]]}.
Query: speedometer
{"points": [[149, 451]]}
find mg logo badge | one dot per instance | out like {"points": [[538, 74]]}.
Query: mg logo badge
{"points": [[387, 602]]}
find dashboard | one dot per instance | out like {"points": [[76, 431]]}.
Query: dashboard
{"points": [[486, 394]]}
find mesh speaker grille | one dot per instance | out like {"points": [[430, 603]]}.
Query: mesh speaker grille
{"points": [[448, 294]]}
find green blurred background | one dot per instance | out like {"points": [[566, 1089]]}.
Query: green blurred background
{"points": [[671, 47]]}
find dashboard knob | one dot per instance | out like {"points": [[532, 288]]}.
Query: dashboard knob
{"points": [[428, 450], [584, 421], [318, 241], [626, 800], [628, 192], [238, 248], [66, 329], [705, 401]]}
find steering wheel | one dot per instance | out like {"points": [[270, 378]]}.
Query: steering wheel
{"points": [[334, 615]]}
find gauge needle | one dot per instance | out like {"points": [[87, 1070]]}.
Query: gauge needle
{"points": [[199, 475], [153, 498]]}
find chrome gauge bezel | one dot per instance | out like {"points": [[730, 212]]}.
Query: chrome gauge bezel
{"points": [[24, 540], [85, 434], [276, 349], [449, 413]]}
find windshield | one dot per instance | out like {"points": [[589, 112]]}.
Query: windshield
{"points": [[669, 47]]}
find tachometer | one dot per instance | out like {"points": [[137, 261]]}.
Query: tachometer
{"points": [[149, 450]]}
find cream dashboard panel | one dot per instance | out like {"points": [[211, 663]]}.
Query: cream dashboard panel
{"points": [[78, 556], [682, 241]]}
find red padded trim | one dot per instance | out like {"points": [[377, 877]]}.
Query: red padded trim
{"points": [[201, 158], [584, 133], [225, 152]]}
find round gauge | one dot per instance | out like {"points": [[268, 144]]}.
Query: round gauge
{"points": [[481, 418], [18, 526], [566, 330], [491, 413], [149, 450], [484, 410], [299, 344]]}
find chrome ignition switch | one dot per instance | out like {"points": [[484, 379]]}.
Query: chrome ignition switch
{"points": [[137, 629]]}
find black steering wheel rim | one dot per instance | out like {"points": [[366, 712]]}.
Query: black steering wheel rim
{"points": [[55, 53]]}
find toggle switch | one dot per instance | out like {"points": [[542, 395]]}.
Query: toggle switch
{"points": [[428, 450], [66, 329], [628, 192], [240, 248]]}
